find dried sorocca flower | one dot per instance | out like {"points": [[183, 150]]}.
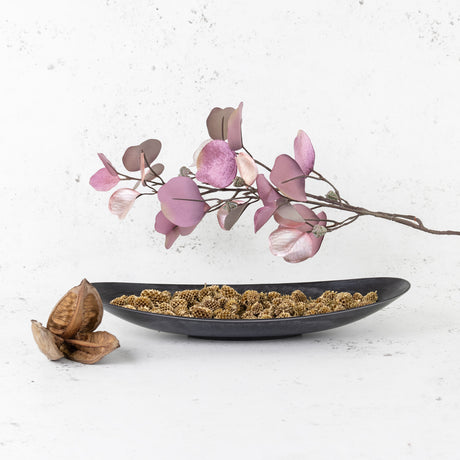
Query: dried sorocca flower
{"points": [[70, 329]]}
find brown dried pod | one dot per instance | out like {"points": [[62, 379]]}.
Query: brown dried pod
{"points": [[69, 332], [80, 310], [90, 347], [46, 341]]}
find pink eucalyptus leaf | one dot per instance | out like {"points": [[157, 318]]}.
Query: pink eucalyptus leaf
{"points": [[235, 139], [247, 167], [266, 192], [304, 152], [283, 239], [301, 250], [216, 164], [132, 157], [217, 122], [289, 178], [108, 165], [103, 180], [162, 224], [171, 237], [122, 201], [262, 216], [181, 201]]}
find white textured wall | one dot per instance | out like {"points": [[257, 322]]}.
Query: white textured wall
{"points": [[376, 86]]}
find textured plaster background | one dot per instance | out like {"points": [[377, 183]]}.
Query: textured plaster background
{"points": [[376, 86]]}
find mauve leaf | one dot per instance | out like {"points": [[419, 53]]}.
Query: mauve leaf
{"points": [[234, 215], [103, 180], [288, 177], [217, 122], [266, 192], [224, 210], [216, 164], [108, 165], [181, 201], [157, 168], [262, 216], [172, 236], [122, 201], [132, 157], [235, 139], [162, 224], [247, 167], [304, 152]]}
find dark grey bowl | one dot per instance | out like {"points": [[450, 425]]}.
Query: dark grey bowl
{"points": [[388, 289]]}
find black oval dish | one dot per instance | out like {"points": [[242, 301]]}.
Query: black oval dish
{"points": [[388, 289]]}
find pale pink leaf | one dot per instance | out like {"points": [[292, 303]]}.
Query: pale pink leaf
{"points": [[103, 180], [107, 164], [304, 152], [223, 212], [235, 139], [283, 239], [287, 216], [247, 167], [181, 201], [216, 164], [289, 178], [122, 201], [301, 250]]}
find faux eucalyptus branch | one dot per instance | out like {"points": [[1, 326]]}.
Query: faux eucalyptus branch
{"points": [[225, 179]]}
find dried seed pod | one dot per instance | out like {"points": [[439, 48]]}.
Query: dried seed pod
{"points": [[120, 301], [201, 312], [298, 296], [69, 332], [229, 292], [90, 347], [143, 302], [250, 297], [80, 310], [46, 341]]}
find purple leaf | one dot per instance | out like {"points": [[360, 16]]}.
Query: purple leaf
{"points": [[289, 178], [217, 122], [223, 212], [162, 224], [304, 152], [181, 201], [103, 180], [235, 139], [216, 164], [122, 201], [157, 171], [132, 157]]}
